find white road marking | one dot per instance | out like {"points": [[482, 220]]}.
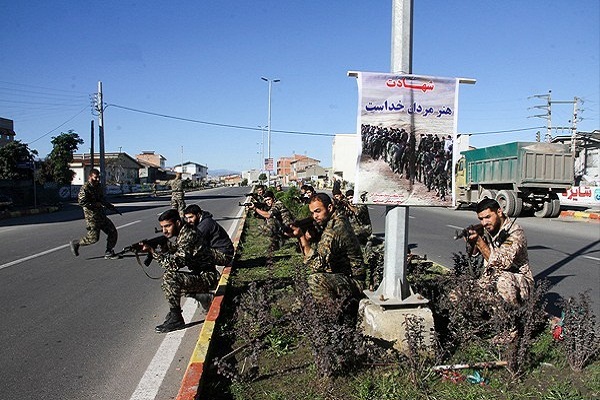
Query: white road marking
{"points": [[154, 375], [43, 253], [591, 258]]}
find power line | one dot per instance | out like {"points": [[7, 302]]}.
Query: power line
{"points": [[70, 119], [506, 131], [249, 128]]}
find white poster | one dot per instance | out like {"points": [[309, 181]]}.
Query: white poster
{"points": [[407, 124]]}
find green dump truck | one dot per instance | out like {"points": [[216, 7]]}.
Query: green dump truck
{"points": [[521, 176]]}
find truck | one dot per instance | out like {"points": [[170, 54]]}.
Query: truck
{"points": [[521, 176]]}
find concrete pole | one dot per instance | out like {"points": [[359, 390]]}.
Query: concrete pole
{"points": [[91, 146], [100, 106], [574, 131]]}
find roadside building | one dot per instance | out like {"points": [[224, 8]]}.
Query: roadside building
{"points": [[7, 133]]}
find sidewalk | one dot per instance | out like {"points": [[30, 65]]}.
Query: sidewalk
{"points": [[28, 211]]}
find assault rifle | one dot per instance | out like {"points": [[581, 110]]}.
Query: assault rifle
{"points": [[136, 248], [309, 225], [465, 232], [111, 207], [257, 204]]}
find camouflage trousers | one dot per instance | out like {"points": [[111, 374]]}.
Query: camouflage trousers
{"points": [[514, 288], [176, 283], [221, 258], [178, 202], [273, 230], [94, 226], [325, 287]]}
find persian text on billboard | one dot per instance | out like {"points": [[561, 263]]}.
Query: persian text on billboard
{"points": [[406, 125]]}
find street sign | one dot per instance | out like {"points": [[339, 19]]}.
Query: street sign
{"points": [[268, 164]]}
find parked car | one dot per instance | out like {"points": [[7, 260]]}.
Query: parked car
{"points": [[5, 202]]}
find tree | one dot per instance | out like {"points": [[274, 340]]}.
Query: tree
{"points": [[262, 177], [61, 155], [12, 155]]}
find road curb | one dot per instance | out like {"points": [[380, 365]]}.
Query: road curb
{"points": [[29, 211], [192, 378], [580, 214]]}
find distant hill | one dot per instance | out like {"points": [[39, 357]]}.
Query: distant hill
{"points": [[222, 172]]}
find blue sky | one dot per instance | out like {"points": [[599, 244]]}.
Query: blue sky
{"points": [[189, 65]]}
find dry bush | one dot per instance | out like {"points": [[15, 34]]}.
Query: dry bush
{"points": [[581, 341]]}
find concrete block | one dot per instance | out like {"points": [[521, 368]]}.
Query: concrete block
{"points": [[389, 323]]}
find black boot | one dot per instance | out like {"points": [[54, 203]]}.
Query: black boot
{"points": [[173, 321]]}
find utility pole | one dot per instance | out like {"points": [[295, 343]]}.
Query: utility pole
{"points": [[100, 109], [547, 116], [91, 147]]}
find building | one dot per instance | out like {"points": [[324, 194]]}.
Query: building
{"points": [[150, 158], [120, 168], [232, 180], [298, 167], [192, 171], [251, 175], [344, 156], [587, 156], [7, 133]]}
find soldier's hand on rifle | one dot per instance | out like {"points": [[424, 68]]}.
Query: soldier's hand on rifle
{"points": [[294, 231], [147, 248]]}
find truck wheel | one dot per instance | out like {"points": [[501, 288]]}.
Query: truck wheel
{"points": [[489, 193], [511, 204], [555, 205], [506, 201], [545, 210]]}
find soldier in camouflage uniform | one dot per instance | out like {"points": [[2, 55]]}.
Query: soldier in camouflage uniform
{"points": [[188, 250], [91, 198], [177, 200], [504, 248], [335, 261], [212, 233], [277, 219]]}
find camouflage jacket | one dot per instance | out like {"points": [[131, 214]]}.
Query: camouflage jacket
{"points": [[187, 251], [176, 186], [338, 250], [510, 255], [279, 211], [90, 198]]}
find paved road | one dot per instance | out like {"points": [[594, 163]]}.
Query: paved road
{"points": [[83, 328], [566, 252]]}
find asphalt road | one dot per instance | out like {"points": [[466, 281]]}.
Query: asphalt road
{"points": [[83, 328]]}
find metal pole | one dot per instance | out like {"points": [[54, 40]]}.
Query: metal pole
{"points": [[270, 82], [262, 147], [396, 226]]}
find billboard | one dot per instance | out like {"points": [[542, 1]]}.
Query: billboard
{"points": [[407, 124]]}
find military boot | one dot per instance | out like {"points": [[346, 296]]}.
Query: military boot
{"points": [[173, 321], [75, 247]]}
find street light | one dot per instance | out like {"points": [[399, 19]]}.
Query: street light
{"points": [[270, 82]]}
